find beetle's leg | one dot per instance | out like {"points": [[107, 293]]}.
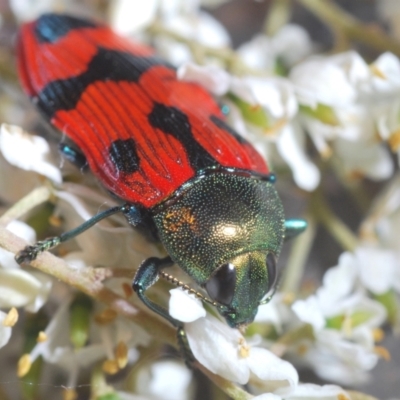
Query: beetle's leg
{"points": [[73, 155], [29, 253], [294, 227], [146, 276]]}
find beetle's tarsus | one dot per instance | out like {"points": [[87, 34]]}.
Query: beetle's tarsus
{"points": [[30, 253]]}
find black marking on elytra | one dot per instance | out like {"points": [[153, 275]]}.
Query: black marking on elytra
{"points": [[51, 27], [174, 122], [73, 155], [106, 65], [223, 125], [124, 155]]}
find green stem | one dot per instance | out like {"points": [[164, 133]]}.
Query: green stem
{"points": [[278, 15], [298, 256], [342, 234], [228, 387], [36, 197], [99, 383], [336, 18]]}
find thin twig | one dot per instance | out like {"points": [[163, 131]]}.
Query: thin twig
{"points": [[36, 197], [338, 19], [298, 256]]}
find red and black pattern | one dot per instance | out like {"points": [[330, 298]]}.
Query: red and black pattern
{"points": [[143, 132]]}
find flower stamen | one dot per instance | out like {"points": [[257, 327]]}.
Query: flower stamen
{"points": [[11, 319], [110, 367], [24, 365], [70, 394], [106, 316], [42, 337], [244, 348], [382, 352], [121, 355]]}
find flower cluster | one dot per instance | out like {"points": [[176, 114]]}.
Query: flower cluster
{"points": [[312, 116]]}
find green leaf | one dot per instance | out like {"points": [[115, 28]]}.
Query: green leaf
{"points": [[390, 302], [253, 114], [109, 396], [322, 113], [80, 311]]}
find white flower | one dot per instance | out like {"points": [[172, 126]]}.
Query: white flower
{"points": [[5, 331], [57, 349], [10, 192], [275, 312], [291, 147], [328, 80], [211, 77], [343, 99], [180, 17], [199, 27], [22, 230], [28, 152], [290, 45], [272, 96], [224, 351], [310, 391], [27, 10], [343, 320], [378, 268], [193, 310], [368, 158], [382, 226], [20, 288], [129, 16], [164, 380]]}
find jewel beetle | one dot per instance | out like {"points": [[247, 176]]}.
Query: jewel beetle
{"points": [[163, 147]]}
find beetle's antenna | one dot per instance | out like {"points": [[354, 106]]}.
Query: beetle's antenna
{"points": [[186, 287]]}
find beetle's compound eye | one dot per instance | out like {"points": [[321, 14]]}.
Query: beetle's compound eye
{"points": [[272, 273], [221, 286]]}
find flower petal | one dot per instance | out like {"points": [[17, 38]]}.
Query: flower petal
{"points": [[377, 268], [212, 78], [309, 311], [24, 231], [28, 152], [129, 16], [309, 390], [268, 367], [216, 346], [185, 307], [5, 331], [167, 380], [18, 288], [290, 146]]}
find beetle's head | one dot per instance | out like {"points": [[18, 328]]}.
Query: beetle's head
{"points": [[226, 232], [238, 286]]}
